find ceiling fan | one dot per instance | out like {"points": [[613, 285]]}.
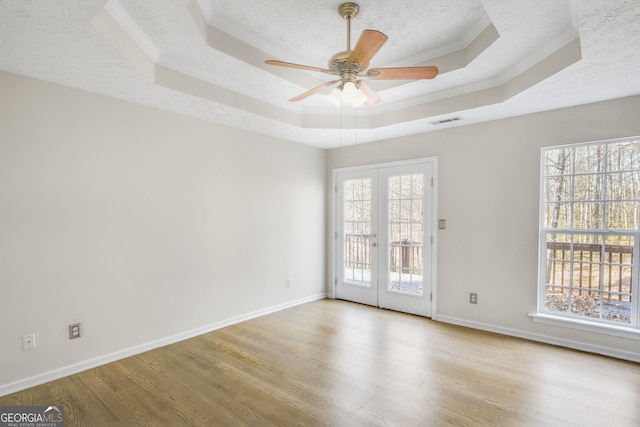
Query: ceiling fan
{"points": [[351, 66]]}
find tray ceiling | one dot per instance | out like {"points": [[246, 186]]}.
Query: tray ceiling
{"points": [[205, 58]]}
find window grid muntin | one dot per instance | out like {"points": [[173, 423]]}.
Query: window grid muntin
{"points": [[357, 232], [406, 234], [606, 201], [608, 310]]}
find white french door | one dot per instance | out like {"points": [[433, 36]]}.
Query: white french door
{"points": [[384, 229]]}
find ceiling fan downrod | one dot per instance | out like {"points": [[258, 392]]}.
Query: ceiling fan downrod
{"points": [[348, 11]]}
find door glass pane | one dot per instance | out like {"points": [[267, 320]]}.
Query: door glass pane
{"points": [[357, 231], [406, 238]]}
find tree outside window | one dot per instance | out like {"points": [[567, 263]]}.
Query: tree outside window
{"points": [[589, 231]]}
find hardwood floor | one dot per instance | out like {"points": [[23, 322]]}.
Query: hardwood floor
{"points": [[342, 364]]}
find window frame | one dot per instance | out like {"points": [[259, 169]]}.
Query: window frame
{"points": [[566, 317]]}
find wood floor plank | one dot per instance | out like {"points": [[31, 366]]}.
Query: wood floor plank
{"points": [[341, 364]]}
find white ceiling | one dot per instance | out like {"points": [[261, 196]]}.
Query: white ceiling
{"points": [[205, 58]]}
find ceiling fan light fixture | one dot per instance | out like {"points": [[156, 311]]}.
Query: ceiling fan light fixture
{"points": [[347, 93], [358, 98], [350, 93], [335, 96]]}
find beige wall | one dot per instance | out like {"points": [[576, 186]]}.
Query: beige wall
{"points": [[142, 225], [488, 193]]}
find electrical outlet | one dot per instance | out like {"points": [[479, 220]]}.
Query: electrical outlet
{"points": [[473, 298], [289, 282], [28, 342], [74, 331]]}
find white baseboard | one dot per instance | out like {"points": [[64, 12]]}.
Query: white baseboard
{"points": [[575, 345], [138, 349]]}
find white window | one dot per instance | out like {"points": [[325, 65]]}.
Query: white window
{"points": [[589, 234]]}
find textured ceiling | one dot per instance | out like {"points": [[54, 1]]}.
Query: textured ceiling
{"points": [[205, 58]]}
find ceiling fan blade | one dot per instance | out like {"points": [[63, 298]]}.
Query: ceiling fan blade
{"points": [[403, 73], [368, 45], [312, 91], [372, 97], [296, 66]]}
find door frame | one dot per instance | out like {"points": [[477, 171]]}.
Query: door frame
{"points": [[333, 231]]}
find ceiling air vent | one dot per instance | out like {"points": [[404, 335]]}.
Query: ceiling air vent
{"points": [[443, 121]]}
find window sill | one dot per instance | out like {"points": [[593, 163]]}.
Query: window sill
{"points": [[582, 325]]}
